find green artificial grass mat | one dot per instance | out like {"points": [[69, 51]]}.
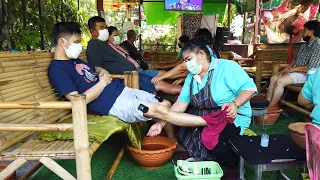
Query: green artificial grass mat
{"points": [[128, 169]]}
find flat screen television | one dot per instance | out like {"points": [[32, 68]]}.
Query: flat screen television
{"points": [[183, 5]]}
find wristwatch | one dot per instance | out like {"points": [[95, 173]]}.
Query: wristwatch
{"points": [[235, 102]]}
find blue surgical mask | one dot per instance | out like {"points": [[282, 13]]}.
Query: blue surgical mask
{"points": [[193, 67]]}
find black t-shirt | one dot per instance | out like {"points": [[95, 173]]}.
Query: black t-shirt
{"points": [[100, 54], [135, 54]]}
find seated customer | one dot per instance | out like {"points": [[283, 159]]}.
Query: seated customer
{"points": [[102, 54], [136, 55], [295, 73], [114, 41], [309, 97], [70, 75]]}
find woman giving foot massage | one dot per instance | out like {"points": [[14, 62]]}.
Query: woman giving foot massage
{"points": [[215, 98]]}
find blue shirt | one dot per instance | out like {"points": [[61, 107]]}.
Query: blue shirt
{"points": [[75, 75], [228, 80], [311, 91]]}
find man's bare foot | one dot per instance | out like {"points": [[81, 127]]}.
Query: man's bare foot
{"points": [[155, 129]]}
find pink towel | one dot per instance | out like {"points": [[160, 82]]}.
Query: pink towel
{"points": [[216, 121]]}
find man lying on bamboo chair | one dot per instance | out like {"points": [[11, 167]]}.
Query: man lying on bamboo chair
{"points": [[307, 58]]}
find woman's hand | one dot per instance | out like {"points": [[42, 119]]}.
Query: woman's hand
{"points": [[179, 81], [231, 109], [284, 72], [156, 79]]}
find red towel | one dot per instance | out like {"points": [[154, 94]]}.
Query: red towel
{"points": [[216, 121]]}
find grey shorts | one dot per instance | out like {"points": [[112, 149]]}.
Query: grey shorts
{"points": [[126, 105]]}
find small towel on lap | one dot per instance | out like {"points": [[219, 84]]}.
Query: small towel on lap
{"points": [[216, 121]]}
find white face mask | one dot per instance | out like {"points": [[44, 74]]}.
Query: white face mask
{"points": [[103, 35], [73, 51], [193, 67], [116, 40]]}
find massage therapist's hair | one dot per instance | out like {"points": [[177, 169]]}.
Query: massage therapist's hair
{"points": [[65, 30], [93, 21], [111, 29], [206, 34], [314, 26], [184, 38], [196, 44]]}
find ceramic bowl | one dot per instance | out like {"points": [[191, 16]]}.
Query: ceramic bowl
{"points": [[155, 151]]}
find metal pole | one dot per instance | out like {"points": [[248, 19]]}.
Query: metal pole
{"points": [[244, 26], [229, 9], [140, 38], [256, 23], [41, 30]]}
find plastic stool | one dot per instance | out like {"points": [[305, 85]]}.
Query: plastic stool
{"points": [[259, 108]]}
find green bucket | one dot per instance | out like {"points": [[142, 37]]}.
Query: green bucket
{"points": [[206, 170]]}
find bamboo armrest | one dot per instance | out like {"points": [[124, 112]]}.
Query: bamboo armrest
{"points": [[35, 127], [243, 59], [36, 105]]}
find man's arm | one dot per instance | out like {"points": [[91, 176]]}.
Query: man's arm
{"points": [[100, 69], [95, 91], [299, 69]]}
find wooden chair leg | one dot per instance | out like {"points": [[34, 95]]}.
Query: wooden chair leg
{"points": [[31, 171], [12, 167], [116, 163], [56, 168]]}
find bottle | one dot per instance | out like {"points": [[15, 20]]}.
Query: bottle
{"points": [[264, 140]]}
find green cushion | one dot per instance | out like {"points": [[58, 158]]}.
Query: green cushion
{"points": [[100, 128]]}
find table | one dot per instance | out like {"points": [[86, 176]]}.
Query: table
{"points": [[281, 154]]}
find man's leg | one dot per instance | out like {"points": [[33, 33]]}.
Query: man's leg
{"points": [[279, 88], [271, 87], [159, 111], [168, 88]]}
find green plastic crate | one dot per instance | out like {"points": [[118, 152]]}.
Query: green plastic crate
{"points": [[207, 170]]}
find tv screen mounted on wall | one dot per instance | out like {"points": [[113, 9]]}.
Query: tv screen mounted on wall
{"points": [[183, 5]]}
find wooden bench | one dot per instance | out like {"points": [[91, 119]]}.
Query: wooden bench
{"points": [[29, 104], [266, 63], [293, 105], [160, 57]]}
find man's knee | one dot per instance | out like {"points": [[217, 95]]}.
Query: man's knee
{"points": [[281, 82], [166, 103]]}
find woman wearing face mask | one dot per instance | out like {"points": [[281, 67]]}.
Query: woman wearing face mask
{"points": [[213, 86], [308, 59], [114, 37]]}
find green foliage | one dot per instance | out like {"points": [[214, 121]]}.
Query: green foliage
{"points": [[233, 13], [166, 42], [25, 26]]}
